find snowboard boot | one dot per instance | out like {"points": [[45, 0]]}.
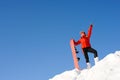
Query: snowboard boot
{"points": [[96, 60], [88, 65]]}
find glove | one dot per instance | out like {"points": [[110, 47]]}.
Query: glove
{"points": [[91, 25]]}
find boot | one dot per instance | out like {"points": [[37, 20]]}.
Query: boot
{"points": [[96, 60], [88, 65]]}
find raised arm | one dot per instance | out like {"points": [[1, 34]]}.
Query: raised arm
{"points": [[90, 30]]}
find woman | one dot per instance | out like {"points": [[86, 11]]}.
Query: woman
{"points": [[86, 46]]}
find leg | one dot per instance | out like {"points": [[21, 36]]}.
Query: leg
{"points": [[86, 58], [93, 51], [86, 55], [95, 54]]}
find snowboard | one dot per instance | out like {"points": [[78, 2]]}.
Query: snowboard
{"points": [[74, 54]]}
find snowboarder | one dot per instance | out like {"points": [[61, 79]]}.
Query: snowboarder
{"points": [[86, 46]]}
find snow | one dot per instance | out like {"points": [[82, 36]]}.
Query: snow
{"points": [[106, 69]]}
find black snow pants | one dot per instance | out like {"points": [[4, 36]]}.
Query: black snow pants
{"points": [[89, 49]]}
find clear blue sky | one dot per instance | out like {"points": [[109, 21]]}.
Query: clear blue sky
{"points": [[35, 35]]}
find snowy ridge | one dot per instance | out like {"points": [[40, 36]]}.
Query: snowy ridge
{"points": [[106, 69]]}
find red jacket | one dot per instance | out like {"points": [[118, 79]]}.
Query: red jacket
{"points": [[85, 40]]}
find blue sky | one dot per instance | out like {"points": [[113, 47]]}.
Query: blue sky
{"points": [[35, 35]]}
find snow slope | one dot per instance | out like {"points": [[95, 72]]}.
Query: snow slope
{"points": [[106, 69]]}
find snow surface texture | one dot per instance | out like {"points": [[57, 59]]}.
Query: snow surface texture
{"points": [[106, 69]]}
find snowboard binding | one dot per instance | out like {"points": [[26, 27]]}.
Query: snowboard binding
{"points": [[76, 50], [78, 58]]}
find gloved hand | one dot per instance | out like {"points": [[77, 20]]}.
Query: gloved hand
{"points": [[91, 25]]}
